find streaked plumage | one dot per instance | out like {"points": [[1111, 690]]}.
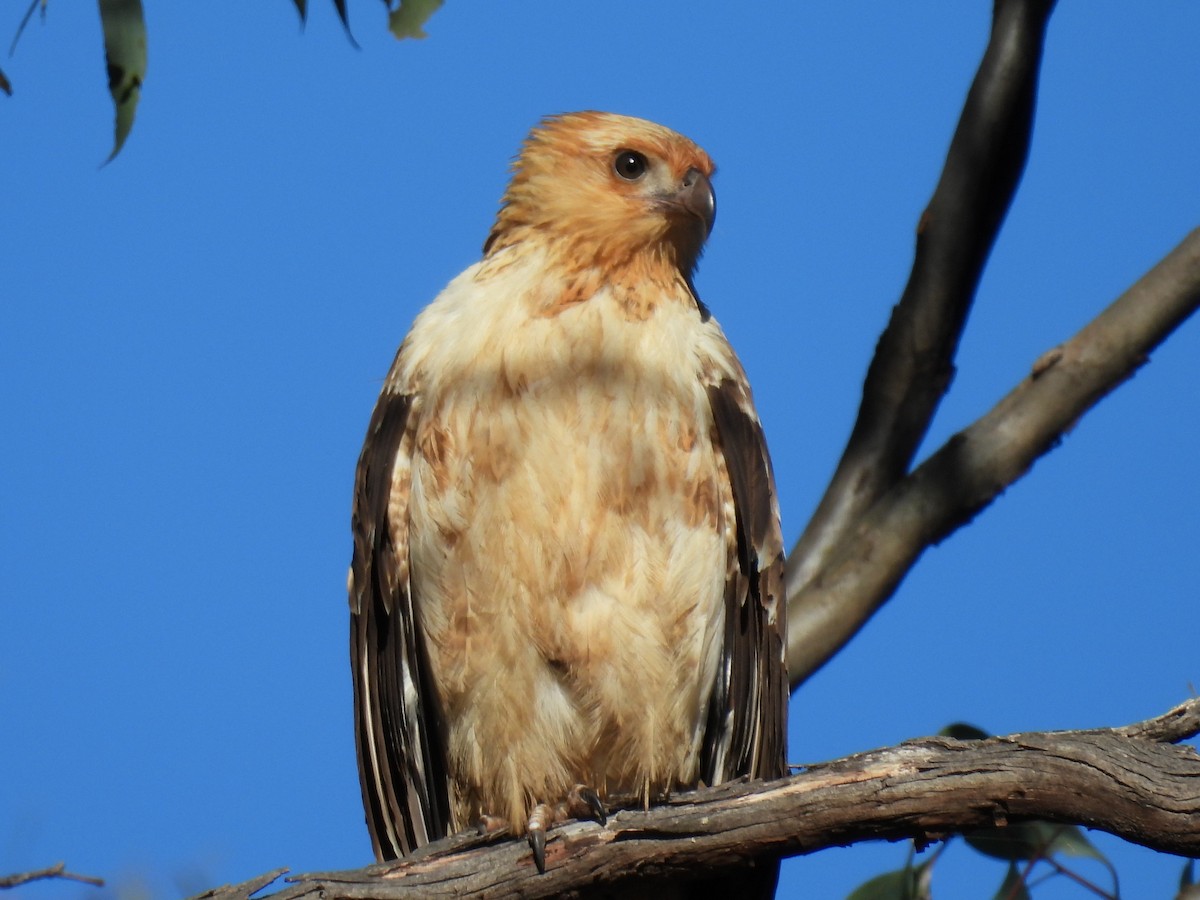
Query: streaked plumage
{"points": [[567, 557]]}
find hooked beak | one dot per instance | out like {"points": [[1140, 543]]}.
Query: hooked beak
{"points": [[696, 197]]}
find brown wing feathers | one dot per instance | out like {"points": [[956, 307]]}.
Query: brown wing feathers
{"points": [[397, 729], [746, 712]]}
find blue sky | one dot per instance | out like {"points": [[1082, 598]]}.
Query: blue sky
{"points": [[191, 340]]}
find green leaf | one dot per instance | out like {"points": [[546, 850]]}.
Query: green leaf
{"points": [[1071, 841], [125, 54], [1013, 887], [409, 18], [1027, 840], [1020, 840], [909, 883], [897, 885], [961, 731]]}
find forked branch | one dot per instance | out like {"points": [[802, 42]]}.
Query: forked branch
{"points": [[878, 515], [975, 465]]}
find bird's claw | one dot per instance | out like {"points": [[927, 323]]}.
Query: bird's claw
{"points": [[539, 819], [584, 803], [581, 802]]}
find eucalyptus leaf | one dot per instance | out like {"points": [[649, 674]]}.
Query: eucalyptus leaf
{"points": [[1027, 840], [125, 54], [1071, 841], [409, 18], [1016, 841], [897, 885], [909, 883], [1013, 887]]}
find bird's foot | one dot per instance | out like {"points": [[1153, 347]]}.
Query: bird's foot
{"points": [[490, 824], [581, 802]]}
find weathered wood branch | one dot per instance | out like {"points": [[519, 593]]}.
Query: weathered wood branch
{"points": [[1134, 782], [914, 360]]}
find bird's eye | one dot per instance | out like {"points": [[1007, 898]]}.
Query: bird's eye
{"points": [[630, 165]]}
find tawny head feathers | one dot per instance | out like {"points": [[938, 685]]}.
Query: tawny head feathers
{"points": [[605, 189]]}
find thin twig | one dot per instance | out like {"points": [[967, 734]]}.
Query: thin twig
{"points": [[58, 870], [1060, 869]]}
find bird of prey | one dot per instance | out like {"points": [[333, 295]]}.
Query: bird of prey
{"points": [[565, 591]]}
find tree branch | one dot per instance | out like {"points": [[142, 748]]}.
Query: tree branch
{"points": [[1128, 781], [973, 467], [913, 361], [877, 517], [58, 870]]}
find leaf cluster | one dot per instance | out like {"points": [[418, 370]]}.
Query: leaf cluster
{"points": [[123, 23]]}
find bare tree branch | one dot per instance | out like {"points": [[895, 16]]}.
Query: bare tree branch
{"points": [[913, 361], [1118, 780], [58, 870], [975, 465]]}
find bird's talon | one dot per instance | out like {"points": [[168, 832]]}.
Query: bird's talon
{"points": [[585, 803], [539, 819], [537, 843]]}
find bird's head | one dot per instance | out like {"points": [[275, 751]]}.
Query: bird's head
{"points": [[605, 190]]}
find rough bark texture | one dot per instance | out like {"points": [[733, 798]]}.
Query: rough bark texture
{"points": [[1133, 782]]}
